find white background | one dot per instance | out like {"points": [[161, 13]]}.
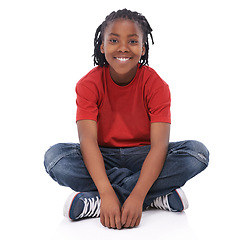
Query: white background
{"points": [[46, 47]]}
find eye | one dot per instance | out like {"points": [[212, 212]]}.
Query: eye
{"points": [[133, 42], [113, 40]]}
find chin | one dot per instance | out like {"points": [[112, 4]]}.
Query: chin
{"points": [[123, 69]]}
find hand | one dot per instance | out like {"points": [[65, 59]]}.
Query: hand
{"points": [[132, 212], [110, 211]]}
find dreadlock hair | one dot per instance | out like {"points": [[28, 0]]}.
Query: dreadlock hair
{"points": [[99, 58]]}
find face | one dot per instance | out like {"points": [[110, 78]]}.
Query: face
{"points": [[123, 47]]}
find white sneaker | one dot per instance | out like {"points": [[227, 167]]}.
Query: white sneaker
{"points": [[82, 205], [175, 201]]}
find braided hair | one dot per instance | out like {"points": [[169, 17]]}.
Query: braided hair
{"points": [[99, 58]]}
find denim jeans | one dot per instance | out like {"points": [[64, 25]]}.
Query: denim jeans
{"points": [[185, 159]]}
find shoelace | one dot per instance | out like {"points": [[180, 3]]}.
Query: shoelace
{"points": [[161, 203], [91, 207]]}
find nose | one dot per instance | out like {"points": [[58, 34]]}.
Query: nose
{"points": [[123, 47]]}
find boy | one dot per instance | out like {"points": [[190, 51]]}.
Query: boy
{"points": [[124, 163]]}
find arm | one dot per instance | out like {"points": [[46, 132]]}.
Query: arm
{"points": [[152, 167], [110, 206]]}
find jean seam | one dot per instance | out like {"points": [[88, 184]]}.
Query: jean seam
{"points": [[199, 156], [175, 148], [58, 158]]}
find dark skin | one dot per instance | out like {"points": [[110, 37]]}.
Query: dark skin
{"points": [[123, 47]]}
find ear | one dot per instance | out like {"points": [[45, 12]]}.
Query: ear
{"points": [[143, 50], [102, 48]]}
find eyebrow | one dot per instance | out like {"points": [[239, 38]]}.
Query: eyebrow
{"points": [[117, 35]]}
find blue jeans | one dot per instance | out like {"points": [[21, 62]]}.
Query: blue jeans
{"points": [[185, 159]]}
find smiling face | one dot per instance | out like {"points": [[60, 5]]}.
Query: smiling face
{"points": [[123, 47]]}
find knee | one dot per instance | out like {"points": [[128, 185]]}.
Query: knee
{"points": [[199, 157], [51, 156], [200, 151]]}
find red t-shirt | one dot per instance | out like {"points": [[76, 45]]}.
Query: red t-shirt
{"points": [[123, 113]]}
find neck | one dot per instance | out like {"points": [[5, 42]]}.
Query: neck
{"points": [[123, 79]]}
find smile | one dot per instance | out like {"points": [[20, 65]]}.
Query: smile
{"points": [[122, 59]]}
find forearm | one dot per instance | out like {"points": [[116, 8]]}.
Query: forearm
{"points": [[95, 165], [92, 157], [150, 171], [155, 159], [152, 166]]}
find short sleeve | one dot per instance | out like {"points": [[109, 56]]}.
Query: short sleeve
{"points": [[159, 103], [87, 108]]}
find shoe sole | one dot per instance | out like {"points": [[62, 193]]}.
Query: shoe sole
{"points": [[183, 198], [68, 205]]}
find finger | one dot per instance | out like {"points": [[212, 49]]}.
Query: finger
{"points": [[133, 222], [107, 221], [112, 222], [123, 217], [128, 222], [102, 219], [138, 221], [118, 222]]}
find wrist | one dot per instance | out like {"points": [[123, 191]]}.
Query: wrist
{"points": [[106, 191], [138, 194]]}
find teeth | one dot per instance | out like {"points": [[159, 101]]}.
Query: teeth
{"points": [[122, 59]]}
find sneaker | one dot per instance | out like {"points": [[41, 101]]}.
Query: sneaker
{"points": [[82, 205], [175, 201]]}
